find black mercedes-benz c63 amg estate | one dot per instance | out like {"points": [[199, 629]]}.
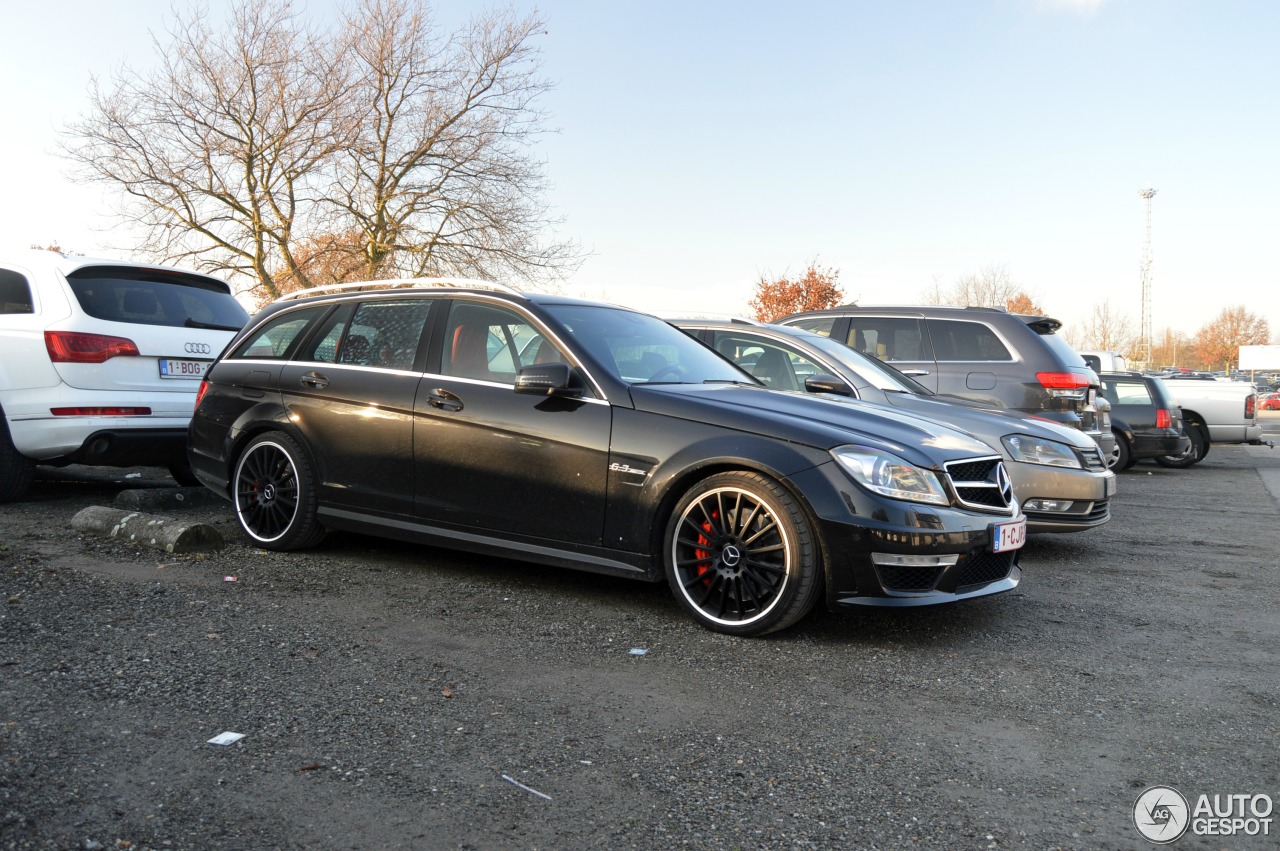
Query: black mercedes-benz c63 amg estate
{"points": [[595, 437]]}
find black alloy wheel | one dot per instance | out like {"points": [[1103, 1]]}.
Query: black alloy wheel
{"points": [[275, 496], [741, 555]]}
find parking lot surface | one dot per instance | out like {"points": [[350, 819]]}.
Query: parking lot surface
{"points": [[397, 696]]}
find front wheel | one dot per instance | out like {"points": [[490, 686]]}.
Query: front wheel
{"points": [[275, 494], [1199, 446], [741, 555]]}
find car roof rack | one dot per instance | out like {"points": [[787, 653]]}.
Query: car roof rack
{"points": [[402, 283]]}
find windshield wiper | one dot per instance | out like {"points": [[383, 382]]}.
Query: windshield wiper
{"points": [[737, 382], [214, 326]]}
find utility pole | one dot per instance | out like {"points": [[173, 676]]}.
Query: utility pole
{"points": [[1147, 195]]}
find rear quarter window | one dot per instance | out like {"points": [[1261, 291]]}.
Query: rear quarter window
{"points": [[15, 293], [277, 339]]}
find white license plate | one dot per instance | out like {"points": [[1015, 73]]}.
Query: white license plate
{"points": [[1111, 486], [170, 368], [1009, 536]]}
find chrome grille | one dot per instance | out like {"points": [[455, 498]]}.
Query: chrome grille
{"points": [[1092, 458], [981, 483]]}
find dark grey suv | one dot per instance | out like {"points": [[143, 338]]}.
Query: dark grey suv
{"points": [[980, 353]]}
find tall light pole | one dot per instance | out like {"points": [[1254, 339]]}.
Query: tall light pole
{"points": [[1147, 195]]}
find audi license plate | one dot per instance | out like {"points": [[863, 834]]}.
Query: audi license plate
{"points": [[1009, 536], [171, 368]]}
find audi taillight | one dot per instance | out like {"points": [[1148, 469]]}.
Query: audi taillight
{"points": [[1163, 418], [1064, 385], [1250, 407], [204, 388], [77, 347]]}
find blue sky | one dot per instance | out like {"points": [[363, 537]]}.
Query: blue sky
{"points": [[701, 145]]}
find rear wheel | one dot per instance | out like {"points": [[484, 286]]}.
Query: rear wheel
{"points": [[275, 494], [1121, 458], [1193, 454], [741, 555], [16, 469]]}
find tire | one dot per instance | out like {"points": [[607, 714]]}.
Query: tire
{"points": [[1198, 449], [16, 470], [274, 492], [181, 472], [741, 555], [1121, 458]]}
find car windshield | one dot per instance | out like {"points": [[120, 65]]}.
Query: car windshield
{"points": [[876, 373], [642, 349]]}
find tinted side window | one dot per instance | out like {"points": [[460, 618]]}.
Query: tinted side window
{"points": [[385, 333], [1121, 392], [323, 347], [955, 340], [779, 367], [15, 293], [818, 324], [889, 338], [278, 338], [491, 343]]}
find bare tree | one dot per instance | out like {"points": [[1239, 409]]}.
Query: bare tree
{"points": [[991, 286], [264, 140], [441, 178], [1108, 330]]}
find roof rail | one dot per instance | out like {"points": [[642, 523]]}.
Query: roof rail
{"points": [[704, 316], [401, 283]]}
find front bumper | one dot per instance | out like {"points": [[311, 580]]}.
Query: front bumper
{"points": [[858, 530], [1057, 499]]}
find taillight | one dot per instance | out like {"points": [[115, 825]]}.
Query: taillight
{"points": [[204, 388], [1163, 418], [1065, 385], [1250, 407], [100, 412], [75, 347]]}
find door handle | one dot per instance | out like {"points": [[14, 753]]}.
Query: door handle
{"points": [[314, 379], [444, 400]]}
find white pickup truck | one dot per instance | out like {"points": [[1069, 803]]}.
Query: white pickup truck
{"points": [[1212, 411]]}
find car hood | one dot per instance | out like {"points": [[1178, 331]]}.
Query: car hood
{"points": [[824, 422], [984, 423]]}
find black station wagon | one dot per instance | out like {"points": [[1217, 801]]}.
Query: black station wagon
{"points": [[594, 437]]}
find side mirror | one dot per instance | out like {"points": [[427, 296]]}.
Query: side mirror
{"points": [[823, 383], [547, 379]]}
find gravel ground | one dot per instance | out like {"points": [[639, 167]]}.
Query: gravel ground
{"points": [[388, 693]]}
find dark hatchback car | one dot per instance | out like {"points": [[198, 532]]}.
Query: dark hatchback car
{"points": [[1146, 421], [593, 437]]}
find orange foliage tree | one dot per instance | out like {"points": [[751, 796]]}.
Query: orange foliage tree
{"points": [[1020, 302], [1218, 343], [816, 289]]}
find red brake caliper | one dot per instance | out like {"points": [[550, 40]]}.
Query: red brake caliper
{"points": [[705, 555]]}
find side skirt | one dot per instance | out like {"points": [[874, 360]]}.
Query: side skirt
{"points": [[590, 559]]}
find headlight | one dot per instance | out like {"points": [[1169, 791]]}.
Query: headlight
{"points": [[1037, 450], [889, 475]]}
